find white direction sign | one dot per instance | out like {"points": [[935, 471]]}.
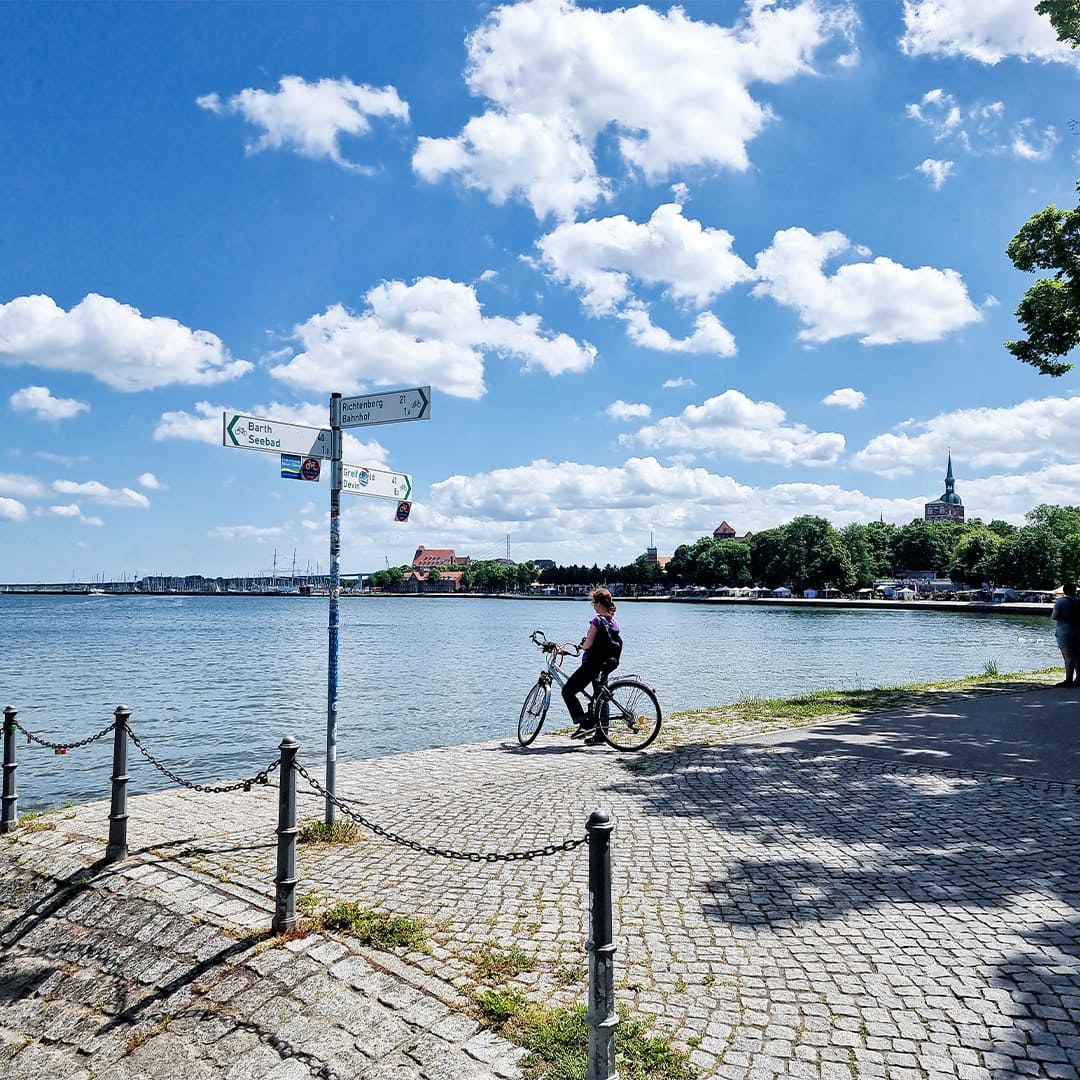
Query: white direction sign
{"points": [[358, 480], [389, 408], [274, 436]]}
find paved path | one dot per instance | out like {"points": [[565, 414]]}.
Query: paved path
{"points": [[828, 903]]}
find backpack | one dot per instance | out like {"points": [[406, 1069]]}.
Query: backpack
{"points": [[607, 645]]}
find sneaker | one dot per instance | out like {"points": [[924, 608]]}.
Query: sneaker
{"points": [[595, 738], [583, 732]]}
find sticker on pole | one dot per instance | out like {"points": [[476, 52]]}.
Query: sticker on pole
{"points": [[403, 509], [290, 466], [310, 469]]}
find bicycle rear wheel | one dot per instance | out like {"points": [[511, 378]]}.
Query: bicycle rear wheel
{"points": [[533, 712], [629, 715]]}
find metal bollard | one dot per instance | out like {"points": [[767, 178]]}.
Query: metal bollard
{"points": [[285, 882], [9, 813], [601, 1016], [116, 849]]}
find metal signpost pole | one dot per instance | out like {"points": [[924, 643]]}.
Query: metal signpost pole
{"points": [[335, 595]]}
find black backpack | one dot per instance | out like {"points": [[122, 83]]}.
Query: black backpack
{"points": [[607, 645]]}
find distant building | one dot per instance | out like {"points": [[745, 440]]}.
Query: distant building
{"points": [[724, 531], [948, 507], [427, 558]]}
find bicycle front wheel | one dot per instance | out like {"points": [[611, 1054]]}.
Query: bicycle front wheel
{"points": [[629, 715], [533, 712]]}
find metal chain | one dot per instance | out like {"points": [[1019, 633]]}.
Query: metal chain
{"points": [[262, 777], [431, 849], [63, 748]]}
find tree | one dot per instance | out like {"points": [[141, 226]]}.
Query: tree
{"points": [[1062, 521], [1029, 560], [974, 558], [922, 545], [1064, 16], [813, 555]]}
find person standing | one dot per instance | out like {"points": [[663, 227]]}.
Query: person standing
{"points": [[1066, 616], [598, 658]]}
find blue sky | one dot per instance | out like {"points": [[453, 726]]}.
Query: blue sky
{"points": [[661, 266]]}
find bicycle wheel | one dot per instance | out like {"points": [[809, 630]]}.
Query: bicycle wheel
{"points": [[629, 715], [533, 712]]}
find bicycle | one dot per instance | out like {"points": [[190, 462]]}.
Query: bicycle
{"points": [[625, 711]]}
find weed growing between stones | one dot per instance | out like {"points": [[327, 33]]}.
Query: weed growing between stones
{"points": [[495, 964], [558, 1040], [373, 928], [340, 831]]}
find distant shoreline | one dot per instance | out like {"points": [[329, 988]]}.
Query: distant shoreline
{"points": [[962, 606]]}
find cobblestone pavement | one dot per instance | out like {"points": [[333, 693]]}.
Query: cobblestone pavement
{"points": [[778, 915]]}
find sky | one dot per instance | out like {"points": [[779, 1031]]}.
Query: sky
{"points": [[661, 266]]}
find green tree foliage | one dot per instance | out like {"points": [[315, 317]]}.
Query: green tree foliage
{"points": [[922, 545], [1064, 17], [390, 579], [1062, 521], [710, 562], [974, 558], [1029, 560], [1049, 311], [766, 557]]}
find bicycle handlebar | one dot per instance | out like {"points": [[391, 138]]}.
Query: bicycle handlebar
{"points": [[539, 639]]}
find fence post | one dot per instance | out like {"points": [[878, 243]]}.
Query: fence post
{"points": [[9, 814], [601, 1016], [116, 849], [285, 881]]}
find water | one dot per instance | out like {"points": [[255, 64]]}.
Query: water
{"points": [[215, 682]]}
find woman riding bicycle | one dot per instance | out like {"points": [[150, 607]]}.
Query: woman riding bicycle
{"points": [[600, 657]]}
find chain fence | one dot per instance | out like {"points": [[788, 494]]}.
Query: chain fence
{"points": [[433, 849], [63, 748], [261, 777]]}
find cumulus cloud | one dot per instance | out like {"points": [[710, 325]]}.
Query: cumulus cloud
{"points": [[983, 30], [96, 491], [311, 118], [737, 426], [710, 336], [605, 257], [113, 342], [38, 400], [12, 510], [673, 92], [678, 384], [26, 487], [150, 481], [1032, 432], [624, 410], [432, 332], [846, 398], [937, 172], [881, 302]]}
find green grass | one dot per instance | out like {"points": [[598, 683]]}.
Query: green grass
{"points": [[340, 831], [495, 964], [373, 928], [557, 1041]]}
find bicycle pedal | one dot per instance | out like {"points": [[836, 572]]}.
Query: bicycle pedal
{"points": [[583, 733]]}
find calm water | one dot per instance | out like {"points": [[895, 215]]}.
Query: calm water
{"points": [[215, 682]]}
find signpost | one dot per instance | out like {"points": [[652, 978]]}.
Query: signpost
{"points": [[274, 436], [389, 408], [311, 444]]}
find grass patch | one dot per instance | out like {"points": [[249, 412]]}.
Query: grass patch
{"points": [[194, 852], [558, 1041], [495, 964], [339, 831], [374, 928], [825, 704]]}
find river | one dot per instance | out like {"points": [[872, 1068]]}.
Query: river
{"points": [[215, 682]]}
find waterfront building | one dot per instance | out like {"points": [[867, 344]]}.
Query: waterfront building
{"points": [[948, 507]]}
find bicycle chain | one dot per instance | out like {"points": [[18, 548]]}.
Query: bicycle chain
{"points": [[63, 748], [431, 849], [262, 777]]}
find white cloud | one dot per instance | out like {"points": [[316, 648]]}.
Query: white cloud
{"points": [[149, 480], [113, 342], [69, 510], [735, 425], [978, 130], [27, 487], [38, 400], [12, 510], [1032, 432], [431, 332], [98, 492], [983, 30], [247, 532], [880, 302], [678, 384], [937, 172], [674, 91], [311, 117], [605, 256], [846, 398], [710, 336], [624, 410]]}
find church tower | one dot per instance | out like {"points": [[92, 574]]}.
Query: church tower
{"points": [[948, 507]]}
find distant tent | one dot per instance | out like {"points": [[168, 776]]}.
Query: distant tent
{"points": [[904, 594], [782, 591]]}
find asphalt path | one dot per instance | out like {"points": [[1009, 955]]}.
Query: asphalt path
{"points": [[1032, 733]]}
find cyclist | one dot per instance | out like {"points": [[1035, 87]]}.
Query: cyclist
{"points": [[601, 645]]}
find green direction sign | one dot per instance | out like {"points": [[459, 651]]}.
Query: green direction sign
{"points": [[359, 480], [389, 408], [274, 436]]}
